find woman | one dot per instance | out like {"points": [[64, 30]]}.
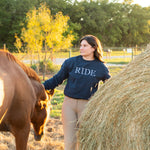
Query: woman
{"points": [[83, 74]]}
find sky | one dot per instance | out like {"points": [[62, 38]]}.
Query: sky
{"points": [[143, 3]]}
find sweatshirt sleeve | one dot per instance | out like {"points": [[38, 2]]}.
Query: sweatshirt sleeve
{"points": [[106, 74], [58, 78]]}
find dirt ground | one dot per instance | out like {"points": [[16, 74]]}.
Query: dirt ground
{"points": [[52, 139]]}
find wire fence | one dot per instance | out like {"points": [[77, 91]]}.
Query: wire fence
{"points": [[111, 54]]}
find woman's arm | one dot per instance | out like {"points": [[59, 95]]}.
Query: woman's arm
{"points": [[58, 78]]}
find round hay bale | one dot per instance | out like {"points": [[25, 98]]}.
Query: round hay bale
{"points": [[118, 116]]}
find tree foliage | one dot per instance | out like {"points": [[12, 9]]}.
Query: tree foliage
{"points": [[12, 17], [18, 43], [116, 24], [45, 30]]}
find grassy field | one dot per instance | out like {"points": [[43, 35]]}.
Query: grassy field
{"points": [[75, 53], [67, 54]]}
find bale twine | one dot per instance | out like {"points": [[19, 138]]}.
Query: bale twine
{"points": [[118, 116]]}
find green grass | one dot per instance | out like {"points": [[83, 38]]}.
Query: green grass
{"points": [[57, 104], [118, 60]]}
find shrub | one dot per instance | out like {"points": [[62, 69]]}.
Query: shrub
{"points": [[34, 67], [50, 67]]}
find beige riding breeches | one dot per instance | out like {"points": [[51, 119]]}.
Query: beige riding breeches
{"points": [[71, 112]]}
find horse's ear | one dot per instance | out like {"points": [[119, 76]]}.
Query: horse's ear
{"points": [[50, 92]]}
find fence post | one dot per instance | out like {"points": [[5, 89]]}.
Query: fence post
{"points": [[132, 53], [69, 53], [4, 47], [124, 53]]}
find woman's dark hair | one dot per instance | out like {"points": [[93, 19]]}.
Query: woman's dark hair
{"points": [[96, 44]]}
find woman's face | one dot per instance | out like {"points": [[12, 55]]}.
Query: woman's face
{"points": [[86, 50]]}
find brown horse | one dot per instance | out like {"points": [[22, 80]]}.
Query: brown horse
{"points": [[23, 100]]}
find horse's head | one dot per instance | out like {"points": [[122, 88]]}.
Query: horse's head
{"points": [[41, 112]]}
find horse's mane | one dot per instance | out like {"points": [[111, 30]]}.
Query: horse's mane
{"points": [[30, 72]]}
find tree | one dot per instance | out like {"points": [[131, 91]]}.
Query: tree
{"points": [[137, 23], [18, 43], [68, 8], [45, 30], [12, 17], [116, 24]]}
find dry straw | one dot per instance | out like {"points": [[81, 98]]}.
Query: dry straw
{"points": [[118, 116]]}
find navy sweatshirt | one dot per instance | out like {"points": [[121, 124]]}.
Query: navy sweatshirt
{"points": [[83, 77]]}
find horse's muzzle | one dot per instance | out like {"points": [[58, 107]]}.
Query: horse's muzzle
{"points": [[38, 137]]}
